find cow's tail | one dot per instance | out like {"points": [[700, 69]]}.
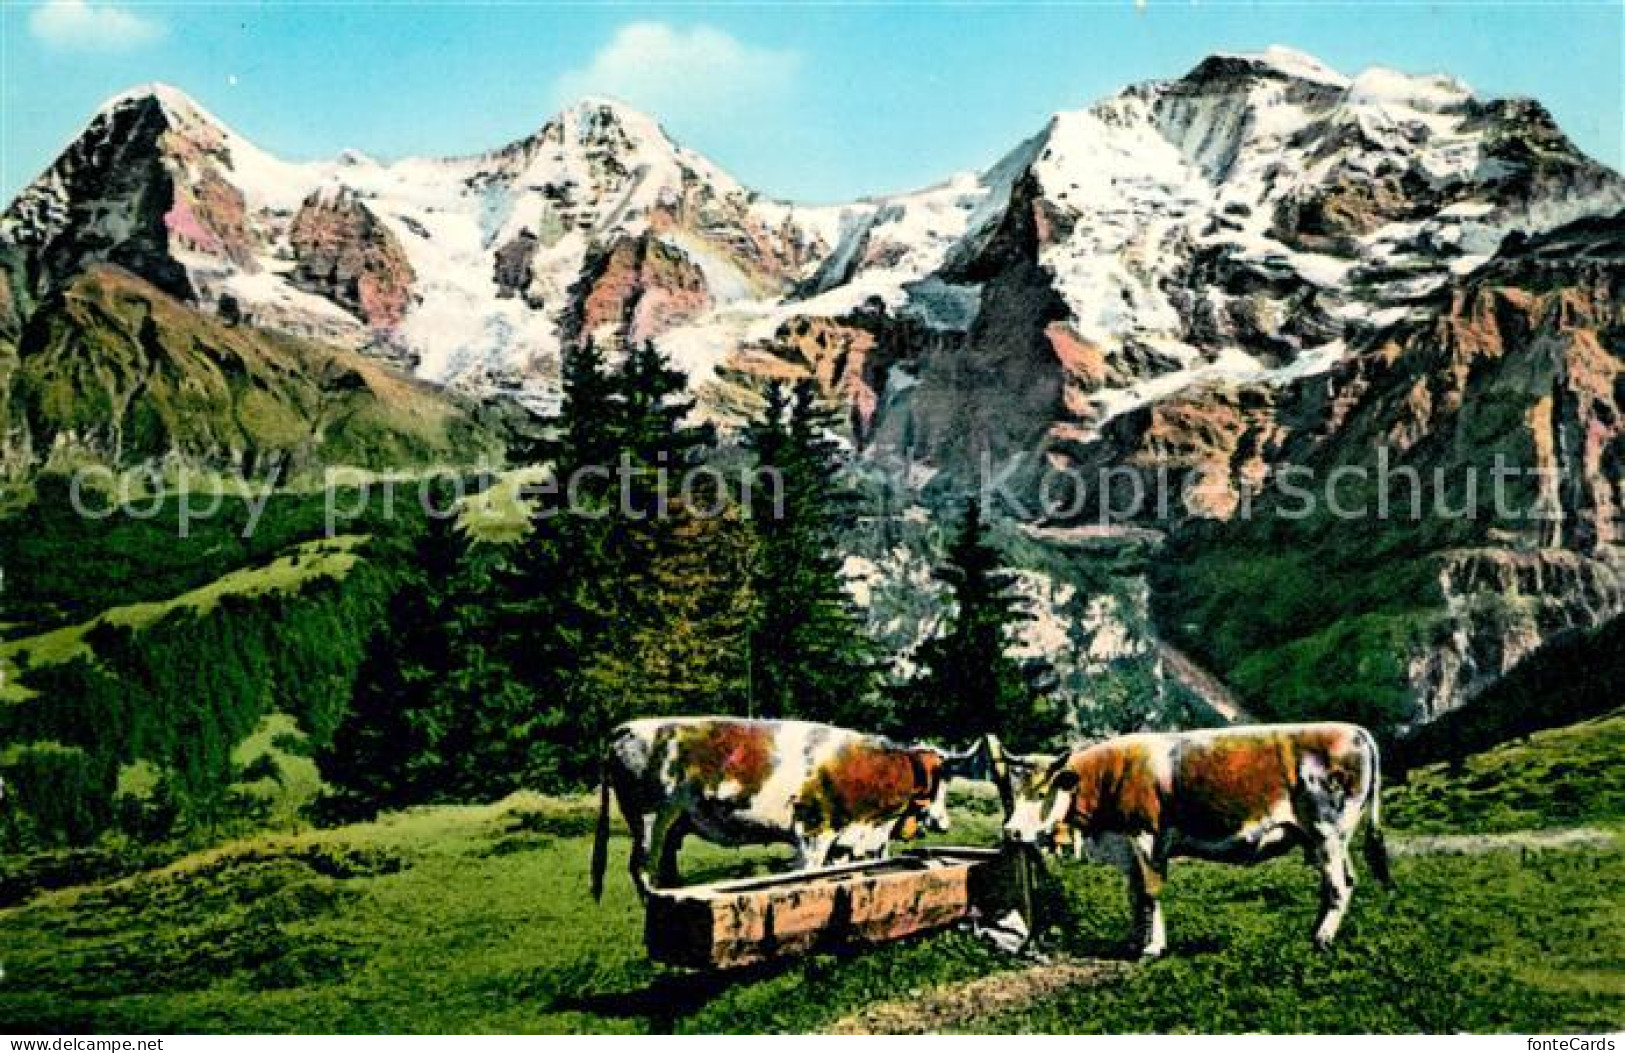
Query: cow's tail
{"points": [[600, 840], [1374, 847]]}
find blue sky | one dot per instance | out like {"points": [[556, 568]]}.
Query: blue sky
{"points": [[815, 102]]}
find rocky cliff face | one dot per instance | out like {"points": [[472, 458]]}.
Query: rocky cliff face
{"points": [[343, 253], [634, 290], [1521, 368], [113, 196], [1483, 437], [1516, 360], [1501, 606]]}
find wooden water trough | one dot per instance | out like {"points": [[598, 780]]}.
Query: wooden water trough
{"points": [[750, 920]]}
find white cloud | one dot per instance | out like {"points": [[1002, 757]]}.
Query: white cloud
{"points": [[695, 76], [80, 25]]}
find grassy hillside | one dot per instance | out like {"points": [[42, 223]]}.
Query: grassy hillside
{"points": [[144, 718], [115, 370], [288, 574], [478, 919], [126, 640], [1302, 623], [63, 567], [1559, 777]]}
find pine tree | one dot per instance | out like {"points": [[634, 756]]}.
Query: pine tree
{"points": [[483, 723], [654, 434], [585, 432], [656, 592], [808, 655], [684, 650], [969, 684], [550, 605], [614, 579], [383, 755]]}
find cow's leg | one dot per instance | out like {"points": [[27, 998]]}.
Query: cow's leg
{"points": [[1336, 883], [663, 846], [642, 829], [670, 842], [1147, 869], [813, 850]]}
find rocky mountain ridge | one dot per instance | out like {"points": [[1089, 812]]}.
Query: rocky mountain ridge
{"points": [[1261, 265], [1234, 223]]}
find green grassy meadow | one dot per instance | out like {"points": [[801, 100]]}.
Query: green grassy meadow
{"points": [[478, 919], [304, 563]]}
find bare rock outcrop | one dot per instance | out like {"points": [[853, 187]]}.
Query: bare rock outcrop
{"points": [[634, 290], [344, 253]]}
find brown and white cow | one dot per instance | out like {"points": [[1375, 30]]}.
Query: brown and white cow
{"points": [[1238, 795], [827, 791]]}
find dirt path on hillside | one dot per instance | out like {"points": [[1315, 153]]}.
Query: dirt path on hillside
{"points": [[1514, 841], [964, 1005], [1209, 688]]}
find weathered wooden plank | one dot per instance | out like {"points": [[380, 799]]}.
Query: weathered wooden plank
{"points": [[741, 922]]}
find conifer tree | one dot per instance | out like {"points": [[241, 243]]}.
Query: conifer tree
{"points": [[383, 754], [684, 652], [585, 429], [659, 590], [485, 724], [613, 577], [553, 606], [808, 655], [969, 682], [655, 434]]}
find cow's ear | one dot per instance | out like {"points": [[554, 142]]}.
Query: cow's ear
{"points": [[1066, 780]]}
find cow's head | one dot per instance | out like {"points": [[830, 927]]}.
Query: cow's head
{"points": [[1037, 792], [929, 805]]}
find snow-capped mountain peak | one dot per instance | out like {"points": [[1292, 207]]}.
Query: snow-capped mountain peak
{"points": [[175, 102], [1287, 62], [602, 119], [1242, 223], [602, 127], [1236, 222], [606, 162]]}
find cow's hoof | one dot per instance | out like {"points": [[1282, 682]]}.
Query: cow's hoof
{"points": [[1150, 954], [1323, 943]]}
